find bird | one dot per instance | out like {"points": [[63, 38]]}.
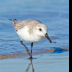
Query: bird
{"points": [[30, 30]]}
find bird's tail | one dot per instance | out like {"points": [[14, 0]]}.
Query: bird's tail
{"points": [[14, 21]]}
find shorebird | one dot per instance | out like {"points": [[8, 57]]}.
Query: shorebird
{"points": [[31, 31]]}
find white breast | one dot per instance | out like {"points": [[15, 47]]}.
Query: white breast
{"points": [[24, 35]]}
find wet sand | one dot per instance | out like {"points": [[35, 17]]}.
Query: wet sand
{"points": [[40, 51], [54, 62]]}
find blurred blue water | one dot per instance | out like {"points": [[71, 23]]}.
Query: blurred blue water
{"points": [[53, 13]]}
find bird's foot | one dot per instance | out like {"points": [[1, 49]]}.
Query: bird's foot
{"points": [[31, 57]]}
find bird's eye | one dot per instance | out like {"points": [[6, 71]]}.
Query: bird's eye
{"points": [[40, 29]]}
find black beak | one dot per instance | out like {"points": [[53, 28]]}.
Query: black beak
{"points": [[46, 35]]}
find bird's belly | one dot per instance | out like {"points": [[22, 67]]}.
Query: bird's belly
{"points": [[30, 38]]}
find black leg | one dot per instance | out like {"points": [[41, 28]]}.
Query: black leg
{"points": [[26, 49], [31, 47]]}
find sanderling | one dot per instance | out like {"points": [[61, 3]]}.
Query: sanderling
{"points": [[31, 31]]}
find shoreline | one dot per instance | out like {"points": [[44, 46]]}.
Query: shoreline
{"points": [[54, 50]]}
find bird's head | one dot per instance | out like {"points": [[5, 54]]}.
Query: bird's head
{"points": [[41, 30]]}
